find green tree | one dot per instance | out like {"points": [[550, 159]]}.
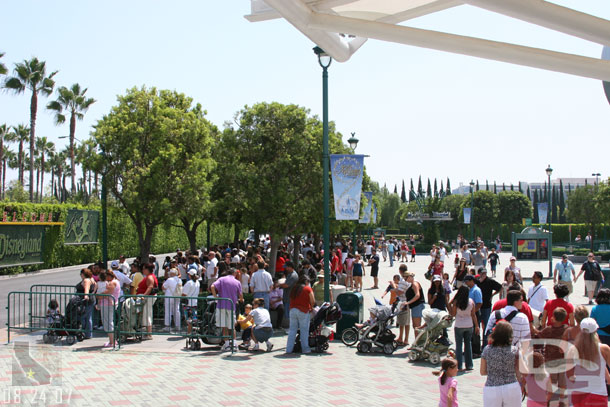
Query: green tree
{"points": [[454, 204], [31, 75], [3, 69], [8, 156], [535, 202], [45, 148], [4, 138], [157, 148], [429, 190], [435, 189], [389, 209], [513, 207], [20, 135], [420, 190], [584, 206], [448, 187], [71, 101], [562, 203], [411, 191], [486, 209], [403, 193]]}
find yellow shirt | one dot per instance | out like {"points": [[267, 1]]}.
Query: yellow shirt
{"points": [[243, 324], [136, 279]]}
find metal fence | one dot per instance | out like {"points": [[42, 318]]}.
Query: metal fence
{"points": [[44, 294]]}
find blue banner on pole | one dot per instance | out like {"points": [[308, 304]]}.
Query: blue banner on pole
{"points": [[346, 170], [467, 212], [374, 212], [366, 216], [543, 209]]}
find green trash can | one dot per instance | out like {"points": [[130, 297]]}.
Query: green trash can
{"points": [[352, 310]]}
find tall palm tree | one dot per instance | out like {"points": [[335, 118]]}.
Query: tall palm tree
{"points": [[73, 102], [45, 149], [20, 135], [31, 75], [4, 137], [3, 69], [9, 157]]}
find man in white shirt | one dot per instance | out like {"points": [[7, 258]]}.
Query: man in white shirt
{"points": [[442, 251], [211, 270], [123, 279], [537, 296], [123, 266], [261, 283], [511, 314]]}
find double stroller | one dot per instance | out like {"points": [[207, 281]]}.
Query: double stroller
{"points": [[66, 325], [378, 335], [320, 332], [431, 343], [131, 319]]}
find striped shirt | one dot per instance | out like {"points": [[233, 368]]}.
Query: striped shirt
{"points": [[403, 286], [520, 324]]}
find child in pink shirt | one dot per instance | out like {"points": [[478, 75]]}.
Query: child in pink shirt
{"points": [[447, 383]]}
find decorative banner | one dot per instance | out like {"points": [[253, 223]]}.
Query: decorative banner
{"points": [[81, 227], [374, 212], [366, 216], [21, 245], [542, 212], [467, 212], [346, 170]]}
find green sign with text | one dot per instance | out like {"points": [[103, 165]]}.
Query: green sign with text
{"points": [[21, 245], [81, 227]]}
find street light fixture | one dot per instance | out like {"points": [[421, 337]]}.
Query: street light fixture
{"points": [[353, 142], [549, 215], [596, 175], [325, 60], [471, 211]]}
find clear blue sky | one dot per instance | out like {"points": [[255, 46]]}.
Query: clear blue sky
{"points": [[415, 111]]}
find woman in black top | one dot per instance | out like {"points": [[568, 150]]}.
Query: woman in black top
{"points": [[437, 298], [460, 272]]}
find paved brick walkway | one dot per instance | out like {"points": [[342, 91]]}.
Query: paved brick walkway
{"points": [[161, 373]]}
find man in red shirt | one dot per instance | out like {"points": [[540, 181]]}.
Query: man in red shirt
{"points": [[561, 291]]}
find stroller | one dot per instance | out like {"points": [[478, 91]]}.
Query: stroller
{"points": [[131, 313], [319, 328], [204, 328], [378, 335], [431, 343], [61, 325]]}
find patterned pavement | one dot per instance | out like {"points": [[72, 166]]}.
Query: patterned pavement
{"points": [[161, 373]]}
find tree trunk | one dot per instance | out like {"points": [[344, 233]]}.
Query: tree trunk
{"points": [[37, 182], [3, 165], [42, 177], [64, 191], [33, 109], [72, 133], [236, 234], [296, 250], [90, 192], [84, 187], [96, 188], [275, 244], [191, 232], [3, 177], [20, 160], [145, 240]]}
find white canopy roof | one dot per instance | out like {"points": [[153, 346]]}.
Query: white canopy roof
{"points": [[327, 22]]}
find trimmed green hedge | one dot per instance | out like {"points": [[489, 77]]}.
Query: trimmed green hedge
{"points": [[122, 237]]}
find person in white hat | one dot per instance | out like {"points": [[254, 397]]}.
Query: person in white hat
{"points": [[123, 279], [172, 287], [590, 358], [191, 289]]}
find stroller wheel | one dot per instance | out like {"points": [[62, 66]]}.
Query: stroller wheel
{"points": [[349, 337], [46, 338], [364, 347], [54, 338], [71, 340], [80, 336], [413, 355], [434, 358], [197, 345], [388, 348]]}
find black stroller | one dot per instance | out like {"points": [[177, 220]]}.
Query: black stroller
{"points": [[205, 328], [63, 324], [319, 328]]}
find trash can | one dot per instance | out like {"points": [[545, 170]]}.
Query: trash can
{"points": [[352, 309]]}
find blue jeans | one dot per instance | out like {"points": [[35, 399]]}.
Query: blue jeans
{"points": [[298, 321], [391, 258], [87, 321], [485, 314], [463, 339], [264, 296]]}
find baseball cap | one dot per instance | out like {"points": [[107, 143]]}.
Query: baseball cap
{"points": [[114, 264], [192, 272], [436, 278], [469, 278], [589, 325], [483, 270], [564, 256], [512, 258]]}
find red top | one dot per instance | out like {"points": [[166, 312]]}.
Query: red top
{"points": [[301, 302], [335, 264], [413, 249], [550, 306], [525, 308], [143, 285], [279, 264]]}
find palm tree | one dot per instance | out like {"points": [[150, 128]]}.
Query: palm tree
{"points": [[74, 102], [45, 148], [4, 137], [9, 157], [31, 75], [20, 135], [3, 69]]}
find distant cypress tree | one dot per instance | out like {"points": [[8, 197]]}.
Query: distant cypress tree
{"points": [[529, 195], [420, 190], [555, 205], [429, 189], [543, 197], [477, 187], [495, 188], [512, 188], [395, 189], [520, 190], [503, 187], [448, 187], [586, 182], [411, 192], [535, 218], [403, 193], [486, 185], [435, 189], [441, 190]]}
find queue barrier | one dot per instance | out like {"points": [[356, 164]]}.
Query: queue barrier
{"points": [[23, 313], [38, 309], [195, 318]]}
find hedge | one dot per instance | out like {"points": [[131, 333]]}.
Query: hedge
{"points": [[122, 237]]}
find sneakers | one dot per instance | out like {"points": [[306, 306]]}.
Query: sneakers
{"points": [[244, 346], [255, 347], [108, 345], [269, 346], [226, 346]]}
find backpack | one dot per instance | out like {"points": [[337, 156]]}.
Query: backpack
{"points": [[499, 318]]}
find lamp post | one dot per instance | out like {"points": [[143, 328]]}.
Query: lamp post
{"points": [[549, 215], [596, 175], [353, 143], [325, 60], [471, 211]]}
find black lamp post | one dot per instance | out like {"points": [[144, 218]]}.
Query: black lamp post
{"points": [[471, 211], [549, 215]]}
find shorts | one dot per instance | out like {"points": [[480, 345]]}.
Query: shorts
{"points": [[262, 334], [224, 318], [147, 311], [416, 312], [590, 286], [403, 318], [567, 283], [374, 273], [404, 252], [493, 267]]}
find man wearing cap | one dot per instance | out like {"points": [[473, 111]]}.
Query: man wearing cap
{"points": [[489, 288], [403, 319], [191, 289], [123, 279], [565, 271]]}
